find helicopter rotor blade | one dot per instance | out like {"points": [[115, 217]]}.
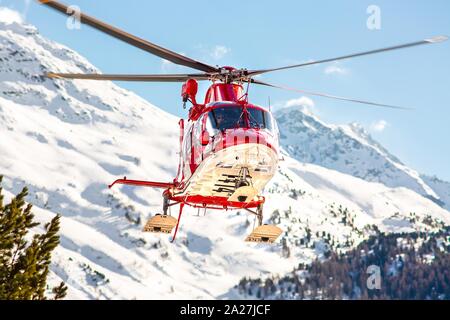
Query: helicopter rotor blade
{"points": [[319, 94], [131, 39], [436, 39], [131, 77]]}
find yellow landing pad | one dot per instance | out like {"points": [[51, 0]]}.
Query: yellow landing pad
{"points": [[160, 223], [243, 194], [265, 233]]}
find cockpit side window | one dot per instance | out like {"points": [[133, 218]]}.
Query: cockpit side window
{"points": [[259, 119]]}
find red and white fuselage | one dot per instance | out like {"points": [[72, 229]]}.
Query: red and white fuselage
{"points": [[228, 151], [222, 138]]}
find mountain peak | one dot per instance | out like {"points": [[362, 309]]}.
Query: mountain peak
{"points": [[358, 128], [346, 148]]}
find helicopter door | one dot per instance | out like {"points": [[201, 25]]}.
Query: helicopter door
{"points": [[187, 151], [198, 148]]}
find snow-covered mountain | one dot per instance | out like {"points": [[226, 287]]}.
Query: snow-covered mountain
{"points": [[67, 140], [350, 149]]}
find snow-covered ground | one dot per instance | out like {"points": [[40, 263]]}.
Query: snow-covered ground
{"points": [[67, 140]]}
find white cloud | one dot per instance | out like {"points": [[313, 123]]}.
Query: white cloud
{"points": [[9, 16], [12, 15], [218, 52], [211, 53], [167, 66], [379, 126], [335, 69], [300, 102], [303, 103]]}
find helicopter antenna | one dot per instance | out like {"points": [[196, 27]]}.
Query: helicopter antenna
{"points": [[268, 98], [244, 95], [246, 91]]}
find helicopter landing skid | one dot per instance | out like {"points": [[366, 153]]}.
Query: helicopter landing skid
{"points": [[160, 223], [265, 233]]}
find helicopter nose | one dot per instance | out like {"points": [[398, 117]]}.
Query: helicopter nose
{"points": [[253, 149], [237, 137]]}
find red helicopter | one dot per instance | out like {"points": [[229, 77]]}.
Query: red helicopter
{"points": [[228, 146]]}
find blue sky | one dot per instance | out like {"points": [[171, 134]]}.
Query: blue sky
{"points": [[261, 34]]}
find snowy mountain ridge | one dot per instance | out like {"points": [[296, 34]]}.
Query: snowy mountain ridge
{"points": [[67, 140], [349, 149]]}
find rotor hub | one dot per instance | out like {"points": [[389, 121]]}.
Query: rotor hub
{"points": [[229, 74]]}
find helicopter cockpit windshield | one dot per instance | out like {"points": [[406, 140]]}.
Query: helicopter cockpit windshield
{"points": [[232, 117], [223, 118]]}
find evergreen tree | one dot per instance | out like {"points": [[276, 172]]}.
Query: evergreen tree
{"points": [[406, 270], [24, 266]]}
